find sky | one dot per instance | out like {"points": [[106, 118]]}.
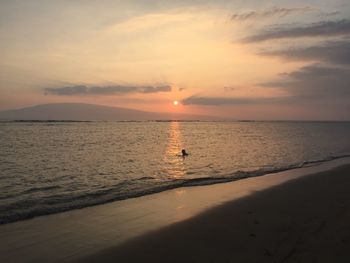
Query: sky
{"points": [[252, 59]]}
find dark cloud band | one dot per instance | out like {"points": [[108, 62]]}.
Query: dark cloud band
{"points": [[220, 101], [325, 28], [106, 90], [336, 52], [316, 81], [309, 84], [272, 12]]}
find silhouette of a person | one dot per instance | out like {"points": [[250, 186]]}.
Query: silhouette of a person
{"points": [[184, 153]]}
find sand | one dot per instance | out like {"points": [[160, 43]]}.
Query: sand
{"points": [[302, 220]]}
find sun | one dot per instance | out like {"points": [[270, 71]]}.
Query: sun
{"points": [[175, 103]]}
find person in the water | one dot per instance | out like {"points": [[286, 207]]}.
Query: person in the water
{"points": [[184, 153]]}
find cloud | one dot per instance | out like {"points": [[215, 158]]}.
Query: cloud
{"points": [[149, 21], [331, 13], [336, 52], [106, 90], [219, 101], [272, 12], [324, 28], [315, 82]]}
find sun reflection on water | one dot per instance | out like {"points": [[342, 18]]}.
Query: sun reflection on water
{"points": [[175, 167]]}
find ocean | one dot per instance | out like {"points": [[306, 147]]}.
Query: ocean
{"points": [[50, 167]]}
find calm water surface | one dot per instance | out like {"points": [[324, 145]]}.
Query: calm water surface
{"points": [[52, 167]]}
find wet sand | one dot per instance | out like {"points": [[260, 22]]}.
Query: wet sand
{"points": [[303, 220]]}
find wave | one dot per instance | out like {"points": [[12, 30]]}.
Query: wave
{"points": [[40, 189], [57, 204]]}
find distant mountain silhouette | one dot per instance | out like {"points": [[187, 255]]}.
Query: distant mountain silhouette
{"points": [[90, 112]]}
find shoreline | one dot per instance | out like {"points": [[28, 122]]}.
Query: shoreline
{"points": [[194, 182], [79, 233]]}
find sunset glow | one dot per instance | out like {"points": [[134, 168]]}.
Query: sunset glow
{"points": [[174, 131], [240, 60]]}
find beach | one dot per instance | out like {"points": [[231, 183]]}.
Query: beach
{"points": [[304, 220], [299, 214], [175, 131]]}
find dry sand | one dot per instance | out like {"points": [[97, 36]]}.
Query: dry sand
{"points": [[303, 220]]}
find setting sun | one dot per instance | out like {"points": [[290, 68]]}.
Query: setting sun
{"points": [[154, 96]]}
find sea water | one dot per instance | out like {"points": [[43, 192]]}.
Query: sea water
{"points": [[49, 167]]}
